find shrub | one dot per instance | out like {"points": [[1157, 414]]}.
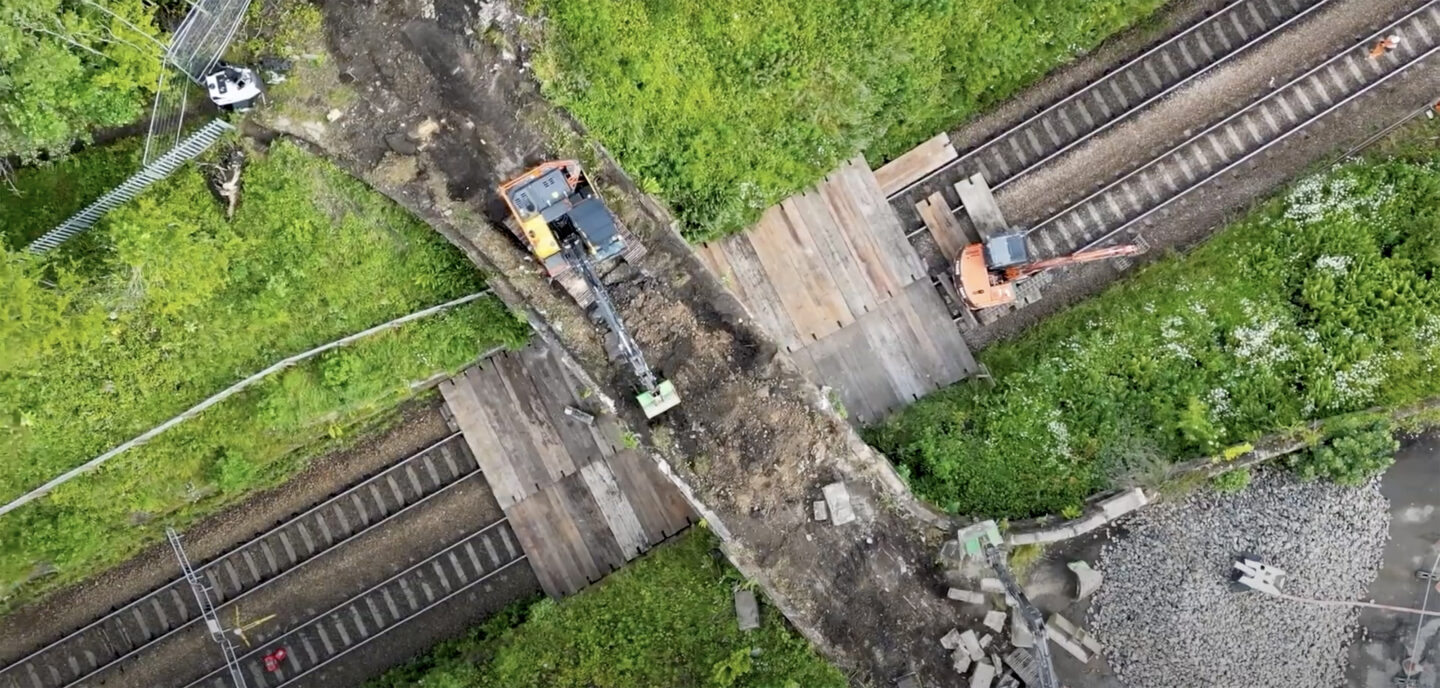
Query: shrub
{"points": [[1231, 482], [1350, 454]]}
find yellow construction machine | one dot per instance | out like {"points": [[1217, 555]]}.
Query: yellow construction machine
{"points": [[565, 224]]}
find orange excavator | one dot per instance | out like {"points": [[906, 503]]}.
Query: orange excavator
{"points": [[988, 272]]}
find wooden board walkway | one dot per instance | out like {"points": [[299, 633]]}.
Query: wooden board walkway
{"points": [[830, 275], [581, 504]]}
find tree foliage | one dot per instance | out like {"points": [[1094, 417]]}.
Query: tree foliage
{"points": [[727, 107], [168, 303], [1325, 301], [666, 619], [1350, 454], [67, 67]]}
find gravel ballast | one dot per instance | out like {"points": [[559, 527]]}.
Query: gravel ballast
{"points": [[1169, 616]]}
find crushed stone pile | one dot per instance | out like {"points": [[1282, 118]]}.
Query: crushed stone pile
{"points": [[1168, 614]]}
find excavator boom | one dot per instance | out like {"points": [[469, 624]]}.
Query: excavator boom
{"points": [[1039, 266]]}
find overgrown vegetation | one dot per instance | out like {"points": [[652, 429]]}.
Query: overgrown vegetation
{"points": [[664, 620], [1323, 302], [68, 67], [726, 107], [1232, 481], [166, 304], [1352, 452]]}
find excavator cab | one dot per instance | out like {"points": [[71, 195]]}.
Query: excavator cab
{"points": [[554, 205], [980, 270]]}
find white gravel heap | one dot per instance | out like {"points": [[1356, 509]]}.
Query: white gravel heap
{"points": [[1167, 613]]}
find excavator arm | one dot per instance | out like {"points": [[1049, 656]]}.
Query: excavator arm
{"points": [[1033, 619], [1039, 266]]}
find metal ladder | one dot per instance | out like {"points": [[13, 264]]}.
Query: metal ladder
{"points": [[207, 609], [164, 166]]}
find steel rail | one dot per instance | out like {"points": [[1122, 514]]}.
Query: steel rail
{"points": [[1094, 86], [1302, 126], [238, 548]]}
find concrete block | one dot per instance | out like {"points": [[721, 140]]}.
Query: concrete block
{"points": [[1124, 503], [996, 662], [908, 681], [995, 621], [747, 610], [821, 513], [960, 661], [966, 596], [992, 585], [951, 639], [1089, 524], [971, 645], [1087, 580], [1023, 539], [1065, 644], [1020, 635], [984, 675], [837, 499], [986, 640]]}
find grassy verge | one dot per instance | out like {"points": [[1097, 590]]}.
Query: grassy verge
{"points": [[166, 303], [725, 108], [664, 620], [1324, 301], [46, 195]]}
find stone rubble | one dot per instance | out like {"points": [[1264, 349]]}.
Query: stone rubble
{"points": [[1169, 616]]}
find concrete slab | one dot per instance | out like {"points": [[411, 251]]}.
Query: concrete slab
{"points": [[837, 499], [747, 610]]}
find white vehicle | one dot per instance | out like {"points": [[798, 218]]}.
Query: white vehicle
{"points": [[233, 88]]}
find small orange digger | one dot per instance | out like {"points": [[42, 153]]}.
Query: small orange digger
{"points": [[988, 272]]}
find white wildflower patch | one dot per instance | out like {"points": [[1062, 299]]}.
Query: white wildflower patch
{"points": [[1323, 197], [1218, 400], [1255, 343], [1172, 334], [1334, 265], [1358, 382]]}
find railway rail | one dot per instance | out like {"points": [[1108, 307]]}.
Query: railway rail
{"points": [[1287, 110], [82, 655], [346, 627], [1107, 101]]}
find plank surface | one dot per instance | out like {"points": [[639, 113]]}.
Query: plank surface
{"points": [[915, 163], [883, 223], [758, 293], [785, 266], [943, 226], [834, 248], [580, 504], [980, 205]]}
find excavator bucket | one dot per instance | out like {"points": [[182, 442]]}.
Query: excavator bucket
{"points": [[659, 400]]}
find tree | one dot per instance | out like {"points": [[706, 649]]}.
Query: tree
{"points": [[70, 66]]}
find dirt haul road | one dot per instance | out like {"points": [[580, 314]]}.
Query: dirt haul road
{"points": [[441, 117]]}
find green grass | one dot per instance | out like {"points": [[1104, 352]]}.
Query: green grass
{"points": [[724, 108], [166, 303], [663, 621], [1323, 301], [46, 195]]}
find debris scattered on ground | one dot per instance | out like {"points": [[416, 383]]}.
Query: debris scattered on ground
{"points": [[1169, 615]]}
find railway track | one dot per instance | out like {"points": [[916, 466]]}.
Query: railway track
{"points": [[1289, 109], [83, 655], [363, 618], [1108, 101]]}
